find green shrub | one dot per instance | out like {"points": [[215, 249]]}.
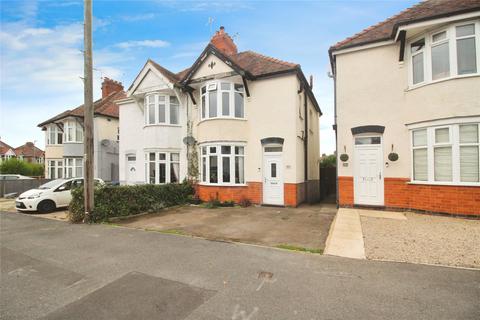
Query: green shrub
{"points": [[329, 161], [228, 203], [117, 201], [244, 202], [17, 166], [213, 204]]}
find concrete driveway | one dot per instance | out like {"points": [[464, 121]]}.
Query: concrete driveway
{"points": [[305, 227]]}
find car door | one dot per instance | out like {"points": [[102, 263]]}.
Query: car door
{"points": [[62, 194]]}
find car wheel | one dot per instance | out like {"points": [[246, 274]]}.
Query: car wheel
{"points": [[46, 206]]}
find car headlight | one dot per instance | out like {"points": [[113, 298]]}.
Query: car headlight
{"points": [[34, 196]]}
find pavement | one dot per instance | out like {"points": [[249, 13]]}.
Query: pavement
{"points": [[56, 270], [304, 227]]}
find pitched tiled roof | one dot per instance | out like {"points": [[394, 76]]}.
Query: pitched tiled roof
{"points": [[425, 10], [27, 150], [104, 106], [260, 65], [5, 147]]}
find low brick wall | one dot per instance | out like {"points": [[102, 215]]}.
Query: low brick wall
{"points": [[457, 200]]}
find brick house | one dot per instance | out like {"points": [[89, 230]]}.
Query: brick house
{"points": [[64, 138], [245, 125], [407, 104], [6, 151], [30, 153]]}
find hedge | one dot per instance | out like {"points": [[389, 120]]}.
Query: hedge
{"points": [[118, 201], [17, 166]]}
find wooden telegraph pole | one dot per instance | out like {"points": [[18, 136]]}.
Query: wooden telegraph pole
{"points": [[88, 115]]}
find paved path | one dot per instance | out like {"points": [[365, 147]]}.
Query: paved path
{"points": [[56, 270]]}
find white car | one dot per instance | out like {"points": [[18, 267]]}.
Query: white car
{"points": [[49, 196]]}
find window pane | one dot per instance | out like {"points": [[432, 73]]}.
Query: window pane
{"points": [[59, 138], [443, 163], [162, 173], [226, 149], [174, 172], [441, 135], [52, 136], [173, 113], [273, 149], [466, 56], [212, 109], [440, 61], [213, 149], [225, 103], [59, 173], [439, 36], [469, 133], [225, 86], [162, 156], [175, 157], [79, 133], [204, 89], [418, 68], [203, 107], [52, 172], [239, 173], [238, 150], [204, 169], [469, 164], [367, 140], [213, 169], [273, 170], [420, 165], [238, 105], [420, 138], [467, 30], [78, 171], [161, 111], [238, 87], [417, 46], [152, 156], [204, 150], [226, 169], [151, 114]]}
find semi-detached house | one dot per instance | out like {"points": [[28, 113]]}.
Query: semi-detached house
{"points": [[242, 124], [408, 110]]}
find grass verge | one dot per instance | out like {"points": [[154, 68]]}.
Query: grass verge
{"points": [[302, 249]]}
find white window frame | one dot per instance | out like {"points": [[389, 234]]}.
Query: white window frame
{"points": [[452, 45], [58, 165], [156, 102], [220, 157], [56, 131], [217, 85], [167, 161], [454, 142], [76, 163], [75, 126]]}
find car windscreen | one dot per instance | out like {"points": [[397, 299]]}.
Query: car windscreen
{"points": [[51, 184]]}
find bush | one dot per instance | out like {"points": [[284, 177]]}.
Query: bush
{"points": [[329, 161], [213, 204], [117, 201], [244, 202], [17, 166], [228, 203]]}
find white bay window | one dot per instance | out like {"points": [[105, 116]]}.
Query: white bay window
{"points": [[222, 99], [445, 53], [447, 154], [73, 167], [72, 131], [162, 167], [161, 109], [55, 169], [54, 135], [223, 164]]}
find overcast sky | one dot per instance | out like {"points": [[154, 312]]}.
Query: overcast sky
{"points": [[41, 43]]}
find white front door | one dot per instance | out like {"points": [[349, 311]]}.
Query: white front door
{"points": [[368, 171], [272, 179], [131, 169]]}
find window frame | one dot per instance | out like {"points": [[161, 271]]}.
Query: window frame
{"points": [[58, 165], [147, 104], [454, 143], [205, 174], [167, 162], [56, 131], [452, 46], [74, 167], [216, 85], [76, 127]]}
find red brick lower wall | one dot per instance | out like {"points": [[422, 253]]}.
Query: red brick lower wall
{"points": [[458, 200], [294, 193]]}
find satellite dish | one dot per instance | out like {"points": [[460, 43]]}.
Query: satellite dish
{"points": [[189, 141]]}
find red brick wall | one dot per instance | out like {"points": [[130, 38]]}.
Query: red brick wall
{"points": [[458, 200], [293, 195]]}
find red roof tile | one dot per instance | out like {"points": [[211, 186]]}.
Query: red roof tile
{"points": [[29, 150], [426, 10], [5, 147]]}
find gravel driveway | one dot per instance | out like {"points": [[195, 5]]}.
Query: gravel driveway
{"points": [[423, 239]]}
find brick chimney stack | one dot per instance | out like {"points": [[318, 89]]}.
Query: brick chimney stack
{"points": [[223, 42], [109, 86]]}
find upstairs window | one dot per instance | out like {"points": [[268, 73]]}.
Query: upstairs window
{"points": [[445, 53], [54, 135], [161, 109], [221, 99], [72, 131]]}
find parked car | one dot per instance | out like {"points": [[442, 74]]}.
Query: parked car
{"points": [[49, 196], [14, 177]]}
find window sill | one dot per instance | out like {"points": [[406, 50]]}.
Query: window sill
{"points": [[67, 142], [222, 184], [424, 84], [54, 145], [446, 183], [222, 118], [162, 125]]}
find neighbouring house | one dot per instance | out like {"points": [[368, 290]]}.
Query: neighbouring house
{"points": [[6, 152], [30, 153], [244, 124], [408, 110], [64, 138]]}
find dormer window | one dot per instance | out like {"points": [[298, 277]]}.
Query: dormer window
{"points": [[445, 53], [222, 99], [161, 109]]}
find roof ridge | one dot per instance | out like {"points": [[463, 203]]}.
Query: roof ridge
{"points": [[358, 34], [271, 59]]}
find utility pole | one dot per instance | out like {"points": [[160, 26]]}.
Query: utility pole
{"points": [[88, 109]]}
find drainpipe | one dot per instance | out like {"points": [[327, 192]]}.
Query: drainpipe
{"points": [[305, 142], [334, 77]]}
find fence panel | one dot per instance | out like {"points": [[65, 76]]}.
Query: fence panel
{"points": [[327, 182], [19, 186]]}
